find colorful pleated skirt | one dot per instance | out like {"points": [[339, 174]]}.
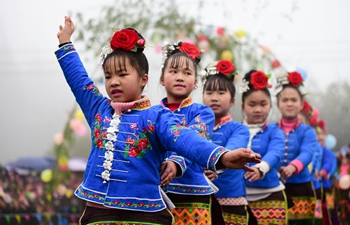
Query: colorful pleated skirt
{"points": [[195, 210], [271, 210], [304, 200]]}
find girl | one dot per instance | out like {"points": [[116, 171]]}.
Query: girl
{"points": [[122, 182], [191, 193], [300, 144], [264, 190], [305, 116], [218, 94]]}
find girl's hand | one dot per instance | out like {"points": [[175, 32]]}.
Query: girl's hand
{"points": [[210, 174], [253, 175], [238, 158], [287, 171], [66, 31], [168, 172]]}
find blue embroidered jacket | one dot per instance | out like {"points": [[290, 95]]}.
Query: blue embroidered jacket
{"points": [[124, 173], [269, 143], [232, 135], [329, 164], [200, 118], [317, 165], [300, 144]]}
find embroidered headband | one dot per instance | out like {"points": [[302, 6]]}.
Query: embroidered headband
{"points": [[188, 48], [127, 39], [223, 67], [293, 78], [257, 81]]}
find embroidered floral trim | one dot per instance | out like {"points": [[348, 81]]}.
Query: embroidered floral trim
{"points": [[93, 89], [138, 147], [120, 203], [176, 130], [216, 155], [68, 48], [144, 103], [187, 102], [201, 127], [178, 159], [97, 136], [223, 120], [186, 189]]}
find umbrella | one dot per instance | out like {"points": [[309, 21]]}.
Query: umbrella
{"points": [[37, 164]]}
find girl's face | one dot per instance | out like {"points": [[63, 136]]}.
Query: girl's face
{"points": [[179, 80], [289, 103], [321, 137], [219, 101], [123, 84], [256, 107]]}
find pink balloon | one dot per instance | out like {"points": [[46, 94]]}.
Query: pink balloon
{"points": [[316, 112], [81, 131], [344, 182]]}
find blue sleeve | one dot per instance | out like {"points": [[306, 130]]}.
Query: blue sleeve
{"points": [[275, 148], [202, 123], [334, 165], [318, 157], [307, 146], [86, 93], [327, 160], [185, 141], [239, 137]]}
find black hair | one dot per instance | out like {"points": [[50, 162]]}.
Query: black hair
{"points": [[306, 117], [137, 61], [219, 82], [247, 77], [175, 62], [293, 87]]}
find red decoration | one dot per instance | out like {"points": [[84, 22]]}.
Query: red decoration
{"points": [[259, 80], [125, 39], [225, 67], [322, 125], [295, 78], [220, 31], [275, 64], [190, 49], [307, 108]]}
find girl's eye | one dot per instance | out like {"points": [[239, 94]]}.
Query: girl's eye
{"points": [[222, 93]]}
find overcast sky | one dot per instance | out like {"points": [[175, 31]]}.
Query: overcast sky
{"points": [[35, 100]]}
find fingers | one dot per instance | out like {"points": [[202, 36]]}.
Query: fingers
{"points": [[167, 177], [162, 168], [247, 168]]}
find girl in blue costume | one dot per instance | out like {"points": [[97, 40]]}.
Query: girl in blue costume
{"points": [[218, 94], [328, 169], [265, 193], [192, 192], [300, 145], [305, 116], [122, 181]]}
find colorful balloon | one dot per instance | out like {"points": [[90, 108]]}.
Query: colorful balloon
{"points": [[46, 175], [344, 182], [58, 138], [228, 55], [330, 141], [240, 33]]}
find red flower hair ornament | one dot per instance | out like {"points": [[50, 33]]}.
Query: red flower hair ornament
{"points": [[258, 81], [223, 67], [127, 39], [307, 108], [293, 78], [188, 48]]}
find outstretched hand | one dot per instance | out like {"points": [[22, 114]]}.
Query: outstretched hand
{"points": [[65, 31], [238, 158]]}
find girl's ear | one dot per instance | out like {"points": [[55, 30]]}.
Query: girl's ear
{"points": [[144, 80], [161, 80], [232, 102]]}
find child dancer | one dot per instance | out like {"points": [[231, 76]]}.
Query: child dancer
{"points": [[300, 144], [218, 93], [264, 190], [305, 115], [192, 192], [329, 167], [122, 181]]}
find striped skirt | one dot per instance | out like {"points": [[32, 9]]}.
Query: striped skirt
{"points": [[271, 210], [196, 210], [304, 200], [103, 216]]}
